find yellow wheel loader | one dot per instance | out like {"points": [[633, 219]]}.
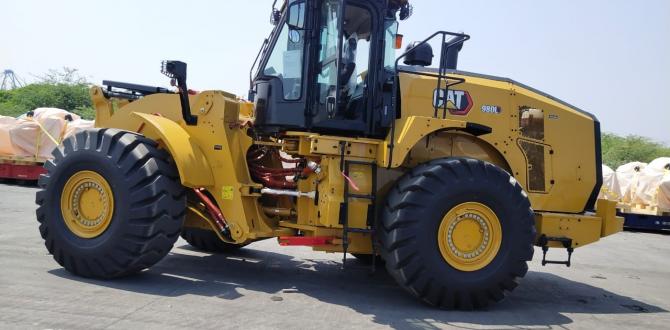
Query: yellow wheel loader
{"points": [[448, 177]]}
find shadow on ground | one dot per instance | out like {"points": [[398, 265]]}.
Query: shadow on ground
{"points": [[541, 300], [19, 183], [648, 231]]}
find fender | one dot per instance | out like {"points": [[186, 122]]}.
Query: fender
{"points": [[194, 169], [412, 130], [456, 143]]}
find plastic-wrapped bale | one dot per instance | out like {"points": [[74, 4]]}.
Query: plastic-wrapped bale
{"points": [[74, 125], [37, 135], [653, 186], [664, 192], [610, 189], [77, 126], [628, 176], [6, 146], [61, 114]]}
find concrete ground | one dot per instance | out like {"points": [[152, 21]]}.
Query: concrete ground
{"points": [[622, 282]]}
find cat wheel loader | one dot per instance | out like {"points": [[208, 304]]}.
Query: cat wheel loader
{"points": [[448, 177]]}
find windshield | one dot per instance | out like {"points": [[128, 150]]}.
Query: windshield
{"points": [[255, 66], [391, 27], [282, 57]]}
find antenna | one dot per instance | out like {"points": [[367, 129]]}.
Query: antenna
{"points": [[10, 80]]}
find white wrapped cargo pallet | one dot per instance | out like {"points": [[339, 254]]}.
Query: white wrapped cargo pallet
{"points": [[628, 176], [610, 189], [37, 135], [653, 188]]}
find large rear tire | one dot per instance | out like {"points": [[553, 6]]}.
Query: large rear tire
{"points": [[207, 241], [111, 204], [457, 233]]}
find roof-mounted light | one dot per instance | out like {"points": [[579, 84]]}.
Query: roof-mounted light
{"points": [[406, 11]]}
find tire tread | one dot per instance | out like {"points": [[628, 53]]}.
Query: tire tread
{"points": [[155, 220], [397, 238]]}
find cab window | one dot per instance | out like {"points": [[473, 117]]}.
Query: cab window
{"points": [[347, 83], [390, 33], [286, 60]]}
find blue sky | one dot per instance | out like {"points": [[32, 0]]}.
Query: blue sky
{"points": [[611, 58]]}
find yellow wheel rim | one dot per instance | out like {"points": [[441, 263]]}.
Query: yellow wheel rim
{"points": [[469, 236], [87, 204]]}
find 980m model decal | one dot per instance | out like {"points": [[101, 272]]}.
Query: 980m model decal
{"points": [[458, 102]]}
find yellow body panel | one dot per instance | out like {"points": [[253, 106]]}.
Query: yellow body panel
{"points": [[567, 136], [194, 169], [612, 224], [582, 229], [222, 144], [454, 144], [412, 129]]}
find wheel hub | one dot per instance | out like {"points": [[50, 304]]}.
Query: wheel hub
{"points": [[469, 236], [87, 204]]}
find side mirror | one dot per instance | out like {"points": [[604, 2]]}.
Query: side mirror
{"points": [[296, 15]]}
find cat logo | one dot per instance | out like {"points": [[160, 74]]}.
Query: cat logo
{"points": [[459, 103]]}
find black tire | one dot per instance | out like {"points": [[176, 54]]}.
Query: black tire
{"points": [[412, 215], [207, 241], [149, 204]]}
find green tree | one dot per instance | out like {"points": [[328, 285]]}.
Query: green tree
{"points": [[618, 150], [64, 89], [67, 76]]}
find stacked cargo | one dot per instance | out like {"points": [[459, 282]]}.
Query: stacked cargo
{"points": [[643, 192], [611, 190], [26, 142]]}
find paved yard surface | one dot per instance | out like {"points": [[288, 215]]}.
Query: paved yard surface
{"points": [[622, 282]]}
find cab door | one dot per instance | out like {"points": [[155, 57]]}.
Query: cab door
{"points": [[346, 36]]}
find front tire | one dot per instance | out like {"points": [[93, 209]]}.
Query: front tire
{"points": [[457, 233], [111, 204]]}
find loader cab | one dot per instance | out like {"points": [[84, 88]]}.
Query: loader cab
{"points": [[327, 67]]}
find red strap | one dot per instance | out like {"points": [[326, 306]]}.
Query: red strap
{"points": [[352, 184]]}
